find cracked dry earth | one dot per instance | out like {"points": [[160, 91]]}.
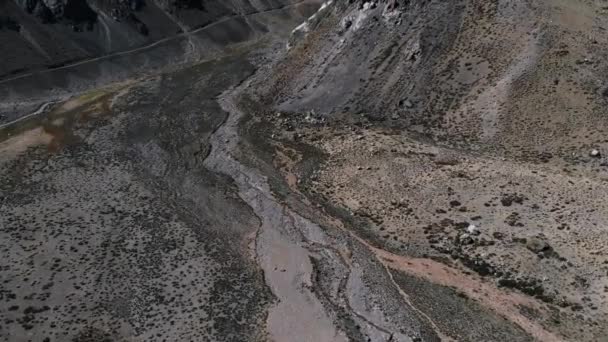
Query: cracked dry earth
{"points": [[436, 185]]}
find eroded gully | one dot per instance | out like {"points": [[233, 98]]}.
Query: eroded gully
{"points": [[298, 315], [284, 247]]}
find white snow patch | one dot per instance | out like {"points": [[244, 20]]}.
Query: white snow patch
{"points": [[323, 7], [303, 27]]}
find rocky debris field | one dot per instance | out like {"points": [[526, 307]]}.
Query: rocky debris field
{"points": [[381, 171]]}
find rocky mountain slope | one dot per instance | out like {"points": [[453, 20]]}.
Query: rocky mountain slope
{"points": [[50, 33], [361, 170], [471, 133]]}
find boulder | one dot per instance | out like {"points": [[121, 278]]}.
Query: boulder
{"points": [[537, 245]]}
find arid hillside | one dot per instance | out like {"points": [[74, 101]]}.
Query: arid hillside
{"points": [[469, 133], [257, 170]]}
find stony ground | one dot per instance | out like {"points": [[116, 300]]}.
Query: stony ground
{"points": [[472, 148], [111, 227], [533, 234], [394, 171]]}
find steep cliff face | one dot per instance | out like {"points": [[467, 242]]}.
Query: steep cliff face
{"points": [[39, 34]]}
